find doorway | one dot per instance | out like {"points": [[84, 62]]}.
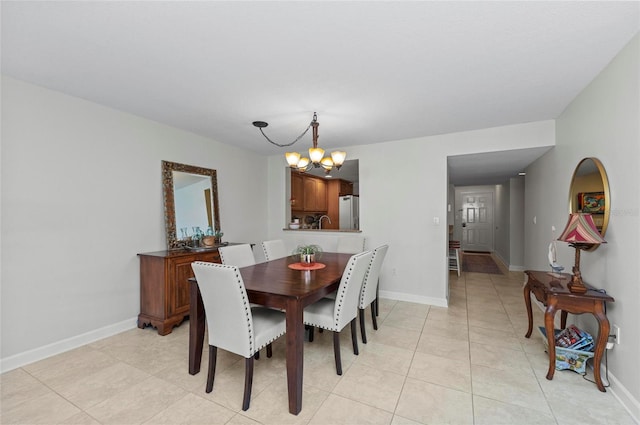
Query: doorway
{"points": [[475, 216]]}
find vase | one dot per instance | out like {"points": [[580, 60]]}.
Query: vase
{"points": [[307, 259]]}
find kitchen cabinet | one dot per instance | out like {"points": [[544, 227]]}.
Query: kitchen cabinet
{"points": [[164, 286], [315, 194], [333, 210], [346, 188], [297, 191]]}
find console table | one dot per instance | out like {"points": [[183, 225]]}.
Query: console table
{"points": [[552, 291]]}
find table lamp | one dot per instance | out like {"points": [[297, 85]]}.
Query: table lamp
{"points": [[581, 233]]}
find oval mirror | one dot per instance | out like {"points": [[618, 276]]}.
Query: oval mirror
{"points": [[190, 201], [589, 193]]}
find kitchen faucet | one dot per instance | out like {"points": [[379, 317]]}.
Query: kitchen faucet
{"points": [[320, 221]]}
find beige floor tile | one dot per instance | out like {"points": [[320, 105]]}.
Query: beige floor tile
{"points": [[492, 412], [452, 314], [413, 309], [455, 374], [228, 387], [499, 357], [513, 386], [338, 410], [192, 409], [137, 404], [456, 349], [572, 408], [396, 337], [152, 358], [490, 320], [81, 418], [433, 404], [17, 387], [480, 307], [499, 338], [374, 387], [240, 419], [399, 420], [320, 372], [446, 329], [401, 319], [48, 408], [101, 385], [271, 406], [70, 366], [385, 357]]}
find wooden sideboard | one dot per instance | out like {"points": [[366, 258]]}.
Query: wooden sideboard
{"points": [[164, 286]]}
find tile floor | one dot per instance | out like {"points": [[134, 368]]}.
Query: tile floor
{"points": [[466, 364]]}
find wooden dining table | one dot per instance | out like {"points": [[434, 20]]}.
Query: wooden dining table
{"points": [[274, 284]]}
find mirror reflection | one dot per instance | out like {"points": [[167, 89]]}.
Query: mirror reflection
{"points": [[191, 202], [589, 192]]}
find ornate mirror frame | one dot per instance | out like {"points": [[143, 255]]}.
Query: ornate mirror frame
{"points": [[169, 199], [590, 178]]}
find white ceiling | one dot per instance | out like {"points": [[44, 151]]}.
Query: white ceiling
{"points": [[373, 71]]}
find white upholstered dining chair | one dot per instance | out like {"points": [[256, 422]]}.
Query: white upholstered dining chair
{"points": [[350, 244], [237, 255], [369, 291], [334, 314], [232, 323], [274, 249]]}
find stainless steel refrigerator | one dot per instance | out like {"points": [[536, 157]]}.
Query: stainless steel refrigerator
{"points": [[349, 212]]}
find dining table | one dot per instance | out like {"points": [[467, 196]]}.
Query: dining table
{"points": [[275, 284]]}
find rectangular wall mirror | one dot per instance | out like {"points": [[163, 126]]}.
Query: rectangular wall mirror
{"points": [[190, 201]]}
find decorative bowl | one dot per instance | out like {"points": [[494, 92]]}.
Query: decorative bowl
{"points": [[209, 241], [294, 226]]}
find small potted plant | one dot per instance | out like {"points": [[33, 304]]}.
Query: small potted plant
{"points": [[308, 253], [218, 236]]}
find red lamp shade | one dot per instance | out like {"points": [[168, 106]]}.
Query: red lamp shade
{"points": [[581, 229], [581, 233]]}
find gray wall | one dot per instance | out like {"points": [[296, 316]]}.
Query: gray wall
{"points": [[601, 122]]}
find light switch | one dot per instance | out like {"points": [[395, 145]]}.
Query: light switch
{"points": [[436, 220]]}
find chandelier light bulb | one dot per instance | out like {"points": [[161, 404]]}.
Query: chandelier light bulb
{"points": [[316, 155], [338, 158], [303, 163], [327, 164], [292, 158]]}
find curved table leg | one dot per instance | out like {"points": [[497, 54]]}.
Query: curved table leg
{"points": [[527, 303], [549, 315], [601, 343]]}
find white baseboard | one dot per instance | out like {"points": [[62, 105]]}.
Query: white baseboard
{"points": [[510, 267], [27, 357], [401, 296], [623, 395]]}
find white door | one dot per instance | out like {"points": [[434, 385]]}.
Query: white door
{"points": [[477, 221]]}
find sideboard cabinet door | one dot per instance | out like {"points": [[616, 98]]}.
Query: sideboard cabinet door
{"points": [[164, 287]]}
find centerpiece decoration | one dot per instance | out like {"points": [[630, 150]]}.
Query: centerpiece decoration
{"points": [[308, 253]]}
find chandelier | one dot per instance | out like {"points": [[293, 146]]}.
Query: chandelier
{"points": [[316, 157]]}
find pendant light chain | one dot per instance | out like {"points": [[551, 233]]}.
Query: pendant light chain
{"points": [[315, 118]]}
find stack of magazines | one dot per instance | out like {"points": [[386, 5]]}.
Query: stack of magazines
{"points": [[574, 339]]}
